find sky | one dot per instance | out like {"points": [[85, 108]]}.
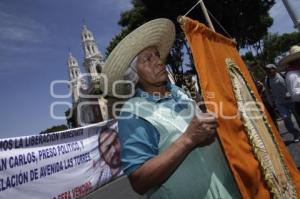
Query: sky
{"points": [[35, 38]]}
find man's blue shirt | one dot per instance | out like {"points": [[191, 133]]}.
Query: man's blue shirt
{"points": [[139, 138]]}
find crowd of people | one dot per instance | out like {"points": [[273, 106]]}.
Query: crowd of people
{"points": [[281, 91]]}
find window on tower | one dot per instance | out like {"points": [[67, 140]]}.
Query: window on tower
{"points": [[98, 68]]}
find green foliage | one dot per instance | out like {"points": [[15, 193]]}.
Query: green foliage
{"points": [[245, 20], [116, 40], [190, 86], [55, 129], [70, 117], [274, 47]]}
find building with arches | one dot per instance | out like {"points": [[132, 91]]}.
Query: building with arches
{"points": [[87, 106]]}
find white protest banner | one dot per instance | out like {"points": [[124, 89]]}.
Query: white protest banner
{"points": [[67, 164]]}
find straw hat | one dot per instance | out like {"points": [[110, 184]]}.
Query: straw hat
{"points": [[159, 33], [294, 53]]}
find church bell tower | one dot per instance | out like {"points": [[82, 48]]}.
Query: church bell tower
{"points": [[74, 75], [93, 60]]}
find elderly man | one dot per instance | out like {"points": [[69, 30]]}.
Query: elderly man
{"points": [[169, 148], [292, 64], [276, 91]]}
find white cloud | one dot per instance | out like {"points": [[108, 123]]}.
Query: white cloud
{"points": [[20, 29], [21, 37], [278, 10]]}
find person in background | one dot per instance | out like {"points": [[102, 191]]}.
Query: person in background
{"points": [[262, 93], [292, 64], [276, 90]]}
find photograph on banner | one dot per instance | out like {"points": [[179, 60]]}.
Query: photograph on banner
{"points": [[66, 164]]}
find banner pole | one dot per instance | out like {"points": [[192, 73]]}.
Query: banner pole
{"points": [[204, 10], [293, 14]]}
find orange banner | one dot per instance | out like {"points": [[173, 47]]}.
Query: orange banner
{"points": [[257, 156]]}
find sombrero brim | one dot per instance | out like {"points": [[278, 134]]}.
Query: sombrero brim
{"points": [[284, 61], [159, 33]]}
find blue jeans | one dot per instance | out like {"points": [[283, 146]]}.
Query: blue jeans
{"points": [[286, 111]]}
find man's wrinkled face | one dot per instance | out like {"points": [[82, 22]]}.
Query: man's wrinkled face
{"points": [[150, 68], [110, 148]]}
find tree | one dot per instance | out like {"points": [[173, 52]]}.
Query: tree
{"points": [[273, 48], [55, 129], [245, 20], [70, 117]]}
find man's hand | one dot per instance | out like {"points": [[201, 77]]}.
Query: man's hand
{"points": [[201, 130], [155, 171]]}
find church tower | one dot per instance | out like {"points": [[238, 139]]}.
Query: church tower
{"points": [[93, 60], [74, 75]]}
